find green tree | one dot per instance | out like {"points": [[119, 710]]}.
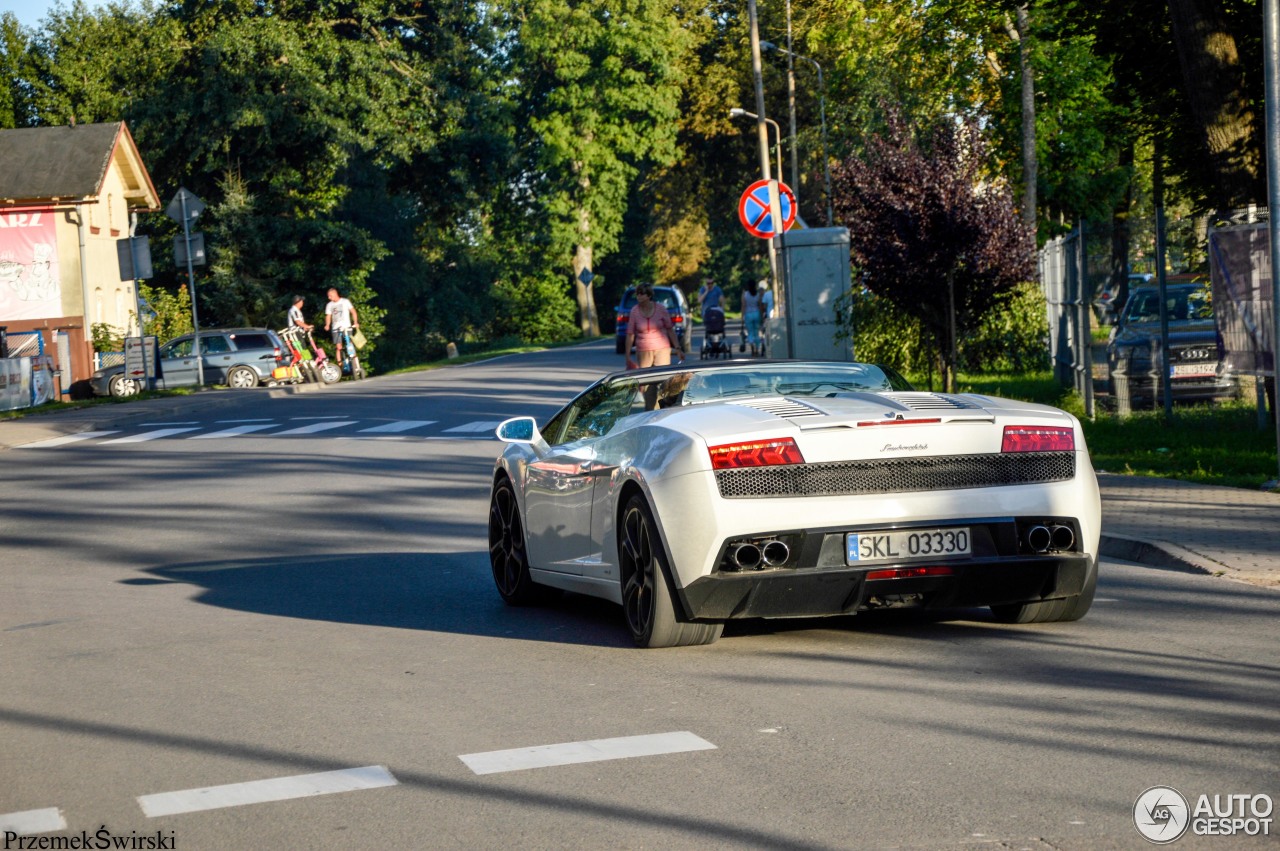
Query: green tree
{"points": [[599, 91], [16, 109]]}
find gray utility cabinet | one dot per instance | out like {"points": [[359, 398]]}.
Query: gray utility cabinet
{"points": [[814, 266]]}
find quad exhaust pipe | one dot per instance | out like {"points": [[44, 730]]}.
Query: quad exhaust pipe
{"points": [[751, 556], [1042, 539]]}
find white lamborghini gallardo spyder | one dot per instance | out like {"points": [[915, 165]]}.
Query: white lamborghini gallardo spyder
{"points": [[695, 494]]}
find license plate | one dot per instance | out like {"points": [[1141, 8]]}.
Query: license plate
{"points": [[907, 544], [1183, 370]]}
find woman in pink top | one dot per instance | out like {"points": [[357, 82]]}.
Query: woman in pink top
{"points": [[651, 330]]}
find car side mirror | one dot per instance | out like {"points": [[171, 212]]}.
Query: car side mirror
{"points": [[522, 430]]}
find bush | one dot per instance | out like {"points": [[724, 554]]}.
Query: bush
{"points": [[537, 309], [1012, 337]]}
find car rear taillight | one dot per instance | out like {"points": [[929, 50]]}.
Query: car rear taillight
{"points": [[278, 355], [1038, 439], [755, 453], [623, 317], [909, 573], [677, 319]]}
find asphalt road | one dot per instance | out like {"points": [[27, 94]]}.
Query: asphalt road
{"points": [[184, 612]]}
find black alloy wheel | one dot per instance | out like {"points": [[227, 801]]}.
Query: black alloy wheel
{"points": [[647, 600], [507, 554]]}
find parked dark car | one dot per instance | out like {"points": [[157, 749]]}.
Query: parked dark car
{"points": [[237, 357], [1106, 306], [1195, 366], [669, 297]]}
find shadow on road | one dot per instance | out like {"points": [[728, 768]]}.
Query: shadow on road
{"points": [[434, 592]]}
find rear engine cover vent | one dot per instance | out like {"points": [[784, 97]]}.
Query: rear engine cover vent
{"points": [[931, 402], [788, 409]]}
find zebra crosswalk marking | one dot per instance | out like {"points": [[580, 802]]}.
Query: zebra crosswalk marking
{"points": [[397, 426], [150, 435], [234, 431], [478, 425], [62, 441], [315, 427]]}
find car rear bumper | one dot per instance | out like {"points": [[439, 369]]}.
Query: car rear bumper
{"points": [[812, 592]]}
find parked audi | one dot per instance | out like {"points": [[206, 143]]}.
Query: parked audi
{"points": [[1194, 366]]}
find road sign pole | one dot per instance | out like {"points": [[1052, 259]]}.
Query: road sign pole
{"points": [[762, 132], [191, 283]]}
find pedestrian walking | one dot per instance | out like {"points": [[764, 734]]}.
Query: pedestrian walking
{"points": [[650, 329], [751, 317], [710, 295]]}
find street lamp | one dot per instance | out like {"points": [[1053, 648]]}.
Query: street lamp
{"points": [[822, 109], [738, 112]]}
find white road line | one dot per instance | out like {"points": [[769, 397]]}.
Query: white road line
{"points": [[479, 425], [184, 422], [33, 821], [313, 428], [596, 750], [258, 420], [262, 791], [149, 435], [316, 418], [397, 426], [61, 441], [233, 431]]}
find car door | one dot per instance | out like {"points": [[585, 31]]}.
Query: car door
{"points": [[217, 353], [177, 363], [559, 487]]}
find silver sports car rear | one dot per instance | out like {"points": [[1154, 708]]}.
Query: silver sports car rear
{"points": [[694, 495]]}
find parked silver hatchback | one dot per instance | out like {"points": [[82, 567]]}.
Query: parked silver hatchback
{"points": [[236, 357]]}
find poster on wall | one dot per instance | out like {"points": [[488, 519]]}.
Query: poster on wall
{"points": [[29, 265]]}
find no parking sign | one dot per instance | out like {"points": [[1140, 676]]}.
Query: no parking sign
{"points": [[753, 209]]}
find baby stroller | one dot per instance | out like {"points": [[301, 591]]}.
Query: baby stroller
{"points": [[713, 344]]}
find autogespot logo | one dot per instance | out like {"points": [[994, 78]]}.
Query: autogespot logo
{"points": [[1161, 814]]}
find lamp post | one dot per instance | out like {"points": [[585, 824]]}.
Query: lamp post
{"points": [[822, 110], [738, 112]]}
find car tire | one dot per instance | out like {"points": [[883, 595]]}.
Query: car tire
{"points": [[618, 345], [647, 597], [242, 378], [507, 554], [1053, 611], [121, 387], [330, 373]]}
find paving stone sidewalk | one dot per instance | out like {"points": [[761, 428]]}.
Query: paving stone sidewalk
{"points": [[1231, 532]]}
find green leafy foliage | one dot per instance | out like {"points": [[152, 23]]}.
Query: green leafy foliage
{"points": [[172, 307], [106, 337]]}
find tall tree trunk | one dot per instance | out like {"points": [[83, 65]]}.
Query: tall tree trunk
{"points": [[1215, 88], [584, 294], [1030, 163]]}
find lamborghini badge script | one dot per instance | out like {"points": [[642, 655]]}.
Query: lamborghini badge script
{"points": [[905, 447]]}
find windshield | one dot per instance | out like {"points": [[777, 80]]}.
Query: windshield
{"points": [[1183, 305], [664, 297], [790, 380]]}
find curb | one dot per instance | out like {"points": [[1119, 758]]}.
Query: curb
{"points": [[1158, 554]]}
